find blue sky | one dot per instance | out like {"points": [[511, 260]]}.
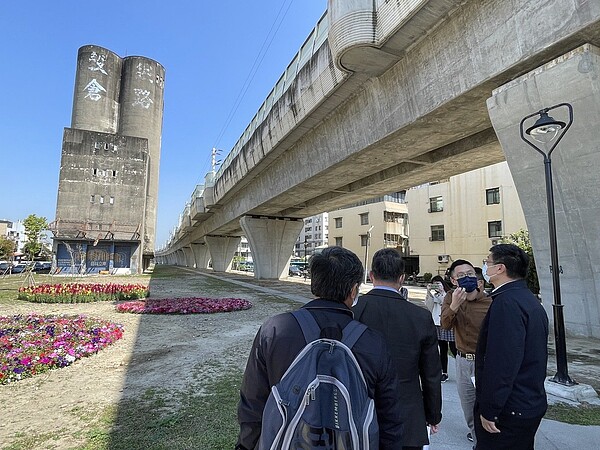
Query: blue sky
{"points": [[207, 48]]}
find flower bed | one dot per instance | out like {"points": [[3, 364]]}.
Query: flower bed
{"points": [[82, 292], [32, 344], [197, 305]]}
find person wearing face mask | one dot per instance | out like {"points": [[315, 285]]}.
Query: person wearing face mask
{"points": [[464, 310], [511, 357], [411, 337], [436, 292]]}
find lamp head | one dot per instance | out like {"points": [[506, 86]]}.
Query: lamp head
{"points": [[545, 129]]}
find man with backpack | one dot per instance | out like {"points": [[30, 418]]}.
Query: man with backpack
{"points": [[412, 339], [316, 378]]}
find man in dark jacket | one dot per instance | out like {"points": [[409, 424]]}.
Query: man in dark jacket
{"points": [[412, 339], [511, 356], [336, 275]]}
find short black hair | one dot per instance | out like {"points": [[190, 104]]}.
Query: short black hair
{"points": [[514, 259], [455, 264], [440, 279], [387, 265], [334, 272]]}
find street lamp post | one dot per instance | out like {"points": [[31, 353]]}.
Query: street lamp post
{"points": [[547, 130], [305, 267], [367, 252]]}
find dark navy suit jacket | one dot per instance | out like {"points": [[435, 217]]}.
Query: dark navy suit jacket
{"points": [[512, 355]]}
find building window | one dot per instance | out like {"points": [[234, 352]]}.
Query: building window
{"points": [[92, 198], [114, 173], [364, 219], [338, 222], [111, 200], [495, 229], [95, 172], [394, 217], [492, 196], [437, 233], [338, 242], [101, 199], [392, 239], [364, 238], [436, 204]]}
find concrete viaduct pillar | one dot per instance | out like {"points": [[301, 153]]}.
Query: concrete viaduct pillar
{"points": [[573, 78], [222, 249], [201, 255], [180, 257], [189, 257], [272, 243]]}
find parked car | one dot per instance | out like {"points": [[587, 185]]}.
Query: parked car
{"points": [[295, 270], [42, 267], [4, 266], [18, 268]]}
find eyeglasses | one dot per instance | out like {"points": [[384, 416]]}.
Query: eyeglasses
{"points": [[490, 263], [465, 274]]}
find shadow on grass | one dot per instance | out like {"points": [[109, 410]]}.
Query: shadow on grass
{"points": [[182, 383], [205, 421]]}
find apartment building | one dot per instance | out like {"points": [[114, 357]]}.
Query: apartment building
{"points": [[366, 227], [313, 235], [462, 217]]}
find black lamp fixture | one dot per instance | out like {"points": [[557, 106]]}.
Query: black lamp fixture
{"points": [[367, 244], [549, 131]]}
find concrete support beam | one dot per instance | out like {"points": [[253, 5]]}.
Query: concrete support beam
{"points": [[573, 78], [180, 258], [201, 255], [272, 243], [222, 249], [189, 257]]}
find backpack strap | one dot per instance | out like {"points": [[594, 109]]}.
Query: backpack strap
{"points": [[352, 332], [308, 324]]}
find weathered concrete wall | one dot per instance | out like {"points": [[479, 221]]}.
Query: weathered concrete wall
{"points": [[102, 184], [575, 79]]}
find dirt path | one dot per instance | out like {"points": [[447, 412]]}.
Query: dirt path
{"points": [[156, 352]]}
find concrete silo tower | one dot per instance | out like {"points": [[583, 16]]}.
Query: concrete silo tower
{"points": [[142, 101], [97, 88], [108, 183]]}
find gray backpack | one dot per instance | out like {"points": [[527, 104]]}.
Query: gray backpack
{"points": [[322, 401]]}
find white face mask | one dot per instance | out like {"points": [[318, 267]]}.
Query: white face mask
{"points": [[486, 277]]}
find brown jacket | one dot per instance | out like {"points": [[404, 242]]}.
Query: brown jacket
{"points": [[466, 321]]}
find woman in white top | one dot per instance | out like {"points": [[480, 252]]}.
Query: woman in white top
{"points": [[436, 292]]}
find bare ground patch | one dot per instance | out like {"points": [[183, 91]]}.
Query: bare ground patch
{"points": [[169, 354]]}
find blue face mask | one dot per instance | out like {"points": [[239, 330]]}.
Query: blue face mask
{"points": [[468, 283]]}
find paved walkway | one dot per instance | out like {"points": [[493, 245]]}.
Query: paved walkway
{"points": [[583, 367]]}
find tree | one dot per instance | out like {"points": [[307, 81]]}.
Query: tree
{"points": [[33, 229], [7, 247], [521, 240]]}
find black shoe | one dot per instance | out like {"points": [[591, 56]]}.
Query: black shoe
{"points": [[470, 437], [444, 377]]}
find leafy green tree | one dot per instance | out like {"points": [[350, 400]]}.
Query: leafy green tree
{"points": [[34, 226], [7, 247], [521, 239]]}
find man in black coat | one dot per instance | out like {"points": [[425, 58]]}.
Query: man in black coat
{"points": [[412, 339], [336, 275], [511, 356]]}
